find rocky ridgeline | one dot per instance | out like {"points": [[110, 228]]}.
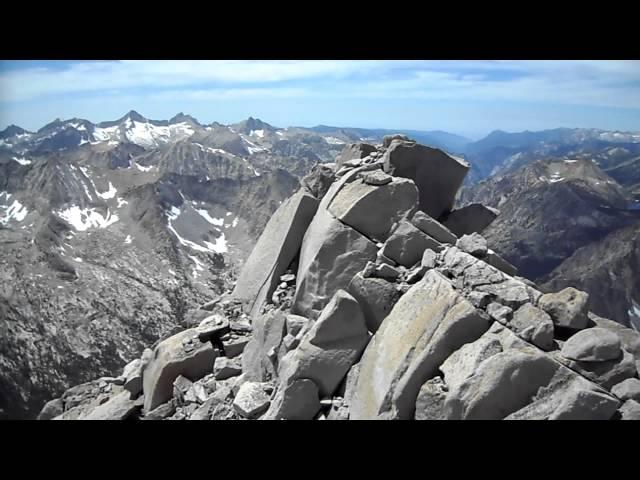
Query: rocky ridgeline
{"points": [[367, 297]]}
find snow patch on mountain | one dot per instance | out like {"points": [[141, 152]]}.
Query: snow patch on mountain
{"points": [[110, 193], [218, 222], [15, 211], [22, 160], [84, 219]]}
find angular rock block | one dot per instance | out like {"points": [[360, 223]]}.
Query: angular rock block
{"points": [[437, 175], [376, 297], [473, 218], [407, 244], [568, 307], [428, 324], [332, 253], [354, 151], [268, 331], [329, 349], [277, 247], [372, 210], [119, 407], [181, 354], [433, 228]]}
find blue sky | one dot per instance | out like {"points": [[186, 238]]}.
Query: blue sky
{"points": [[470, 98]]}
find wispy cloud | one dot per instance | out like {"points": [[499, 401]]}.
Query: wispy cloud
{"points": [[472, 85]]}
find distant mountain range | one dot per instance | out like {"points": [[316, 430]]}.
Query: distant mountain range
{"points": [[113, 232]]}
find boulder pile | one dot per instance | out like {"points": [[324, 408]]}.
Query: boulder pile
{"points": [[368, 297]]}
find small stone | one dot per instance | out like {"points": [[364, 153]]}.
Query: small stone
{"points": [[628, 389], [288, 278], [295, 323], [376, 177], [479, 299], [181, 386], [474, 244], [251, 400], [630, 410], [224, 368], [499, 312], [567, 308], [369, 270], [592, 345], [387, 272], [416, 274], [429, 258], [212, 327], [290, 342]]}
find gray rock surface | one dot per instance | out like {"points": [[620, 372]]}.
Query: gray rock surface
{"points": [[437, 175], [119, 407], [474, 244], [533, 325], [181, 354], [372, 210], [407, 244], [628, 389], [331, 346], [276, 248], [568, 307], [332, 253], [354, 151], [430, 401], [251, 400], [593, 345], [428, 323], [433, 228], [297, 400], [376, 298], [268, 332], [630, 410]]}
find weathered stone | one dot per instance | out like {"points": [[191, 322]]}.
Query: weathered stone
{"points": [[495, 260], [427, 324], [376, 177], [51, 409], [474, 244], [331, 255], [212, 328], [628, 389], [511, 293], [429, 259], [630, 410], [276, 248], [235, 345], [473, 218], [161, 412], [181, 386], [416, 274], [606, 373], [629, 338], [464, 362], [503, 384], [251, 400], [332, 345], [479, 299], [354, 151], [592, 345], [381, 259], [132, 374], [407, 244], [269, 330], [195, 394], [387, 139], [568, 307], [387, 272], [568, 397], [181, 354], [295, 323], [437, 175], [372, 210], [433, 228], [297, 400], [318, 181], [534, 326], [430, 401], [119, 407], [499, 312], [224, 368], [376, 298]]}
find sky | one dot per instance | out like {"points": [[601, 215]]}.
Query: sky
{"points": [[470, 97]]}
